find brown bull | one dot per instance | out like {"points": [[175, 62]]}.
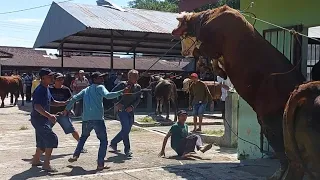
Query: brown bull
{"points": [[262, 75], [12, 85]]}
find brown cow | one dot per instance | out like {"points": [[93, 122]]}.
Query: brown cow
{"points": [[214, 88], [12, 85], [262, 75]]}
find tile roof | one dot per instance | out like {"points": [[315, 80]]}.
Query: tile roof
{"points": [[34, 58]]}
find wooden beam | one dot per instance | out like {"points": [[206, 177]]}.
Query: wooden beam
{"points": [[134, 59], [115, 44], [138, 42], [124, 38]]}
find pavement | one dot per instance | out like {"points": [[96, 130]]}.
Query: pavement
{"points": [[17, 145]]}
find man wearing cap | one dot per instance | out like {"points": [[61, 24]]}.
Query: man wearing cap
{"points": [[93, 115], [78, 85], [199, 96], [181, 142], [125, 109], [42, 120], [62, 93]]}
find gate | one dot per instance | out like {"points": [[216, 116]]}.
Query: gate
{"points": [[289, 46], [313, 56]]}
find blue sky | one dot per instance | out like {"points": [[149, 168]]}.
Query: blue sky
{"points": [[21, 29]]}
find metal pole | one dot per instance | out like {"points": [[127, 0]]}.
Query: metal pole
{"points": [[134, 59], [111, 58], [62, 55]]}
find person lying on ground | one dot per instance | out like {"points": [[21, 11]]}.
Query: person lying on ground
{"points": [[93, 115], [181, 142]]}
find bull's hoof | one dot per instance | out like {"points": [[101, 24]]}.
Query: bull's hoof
{"points": [[278, 174]]}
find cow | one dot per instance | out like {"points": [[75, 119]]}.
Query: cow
{"points": [[165, 92], [12, 85], [263, 77], [213, 86]]}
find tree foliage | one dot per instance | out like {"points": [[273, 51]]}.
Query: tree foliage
{"points": [[172, 5]]}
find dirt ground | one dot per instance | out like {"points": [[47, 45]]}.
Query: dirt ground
{"points": [[17, 145]]}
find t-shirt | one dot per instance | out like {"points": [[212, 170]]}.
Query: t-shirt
{"points": [[78, 84], [59, 94], [42, 96], [179, 132], [199, 92], [223, 90]]}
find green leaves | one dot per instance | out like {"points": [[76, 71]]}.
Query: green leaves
{"points": [[172, 5]]}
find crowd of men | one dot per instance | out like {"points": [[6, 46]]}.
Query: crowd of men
{"points": [[53, 101]]}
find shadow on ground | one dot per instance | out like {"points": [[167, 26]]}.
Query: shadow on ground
{"points": [[257, 169]]}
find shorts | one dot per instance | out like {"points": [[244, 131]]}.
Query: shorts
{"points": [[66, 124], [45, 137], [199, 109]]}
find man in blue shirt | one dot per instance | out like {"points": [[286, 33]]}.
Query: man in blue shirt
{"points": [[93, 115], [42, 121]]}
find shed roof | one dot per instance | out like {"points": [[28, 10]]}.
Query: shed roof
{"points": [[92, 28]]}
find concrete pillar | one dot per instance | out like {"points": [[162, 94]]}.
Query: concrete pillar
{"points": [[229, 139]]}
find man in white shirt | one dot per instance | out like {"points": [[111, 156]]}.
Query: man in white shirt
{"points": [[225, 86]]}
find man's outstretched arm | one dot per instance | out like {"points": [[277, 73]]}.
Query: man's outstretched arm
{"points": [[165, 140]]}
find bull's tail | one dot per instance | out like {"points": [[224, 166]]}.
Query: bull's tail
{"points": [[298, 97]]}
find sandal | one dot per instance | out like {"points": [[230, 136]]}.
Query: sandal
{"points": [[50, 169], [100, 168], [73, 159], [37, 164]]}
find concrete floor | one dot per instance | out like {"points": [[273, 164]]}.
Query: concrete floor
{"points": [[17, 145]]}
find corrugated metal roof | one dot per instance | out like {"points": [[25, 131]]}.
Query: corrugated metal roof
{"points": [[90, 28], [140, 20]]}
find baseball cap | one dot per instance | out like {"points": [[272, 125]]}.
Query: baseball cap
{"points": [[181, 112], [81, 71], [194, 75], [45, 72], [58, 75], [97, 74]]}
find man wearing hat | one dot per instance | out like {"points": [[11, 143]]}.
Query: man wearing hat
{"points": [[42, 120], [78, 85], [93, 115], [62, 93], [199, 97], [181, 142]]}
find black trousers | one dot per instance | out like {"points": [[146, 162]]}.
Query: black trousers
{"points": [[28, 93]]}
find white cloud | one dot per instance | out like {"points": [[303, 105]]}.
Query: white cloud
{"points": [[26, 21]]}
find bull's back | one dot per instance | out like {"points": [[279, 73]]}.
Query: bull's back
{"points": [[10, 83]]}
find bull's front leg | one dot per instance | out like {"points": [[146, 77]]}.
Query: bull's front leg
{"points": [[272, 129], [167, 104], [2, 99], [157, 108], [16, 95], [161, 106]]}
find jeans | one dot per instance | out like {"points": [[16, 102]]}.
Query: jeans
{"points": [[28, 93], [199, 109], [78, 108], [188, 144], [126, 120], [101, 132], [66, 124]]}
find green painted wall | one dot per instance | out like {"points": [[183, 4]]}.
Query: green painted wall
{"points": [[284, 12], [249, 129]]}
